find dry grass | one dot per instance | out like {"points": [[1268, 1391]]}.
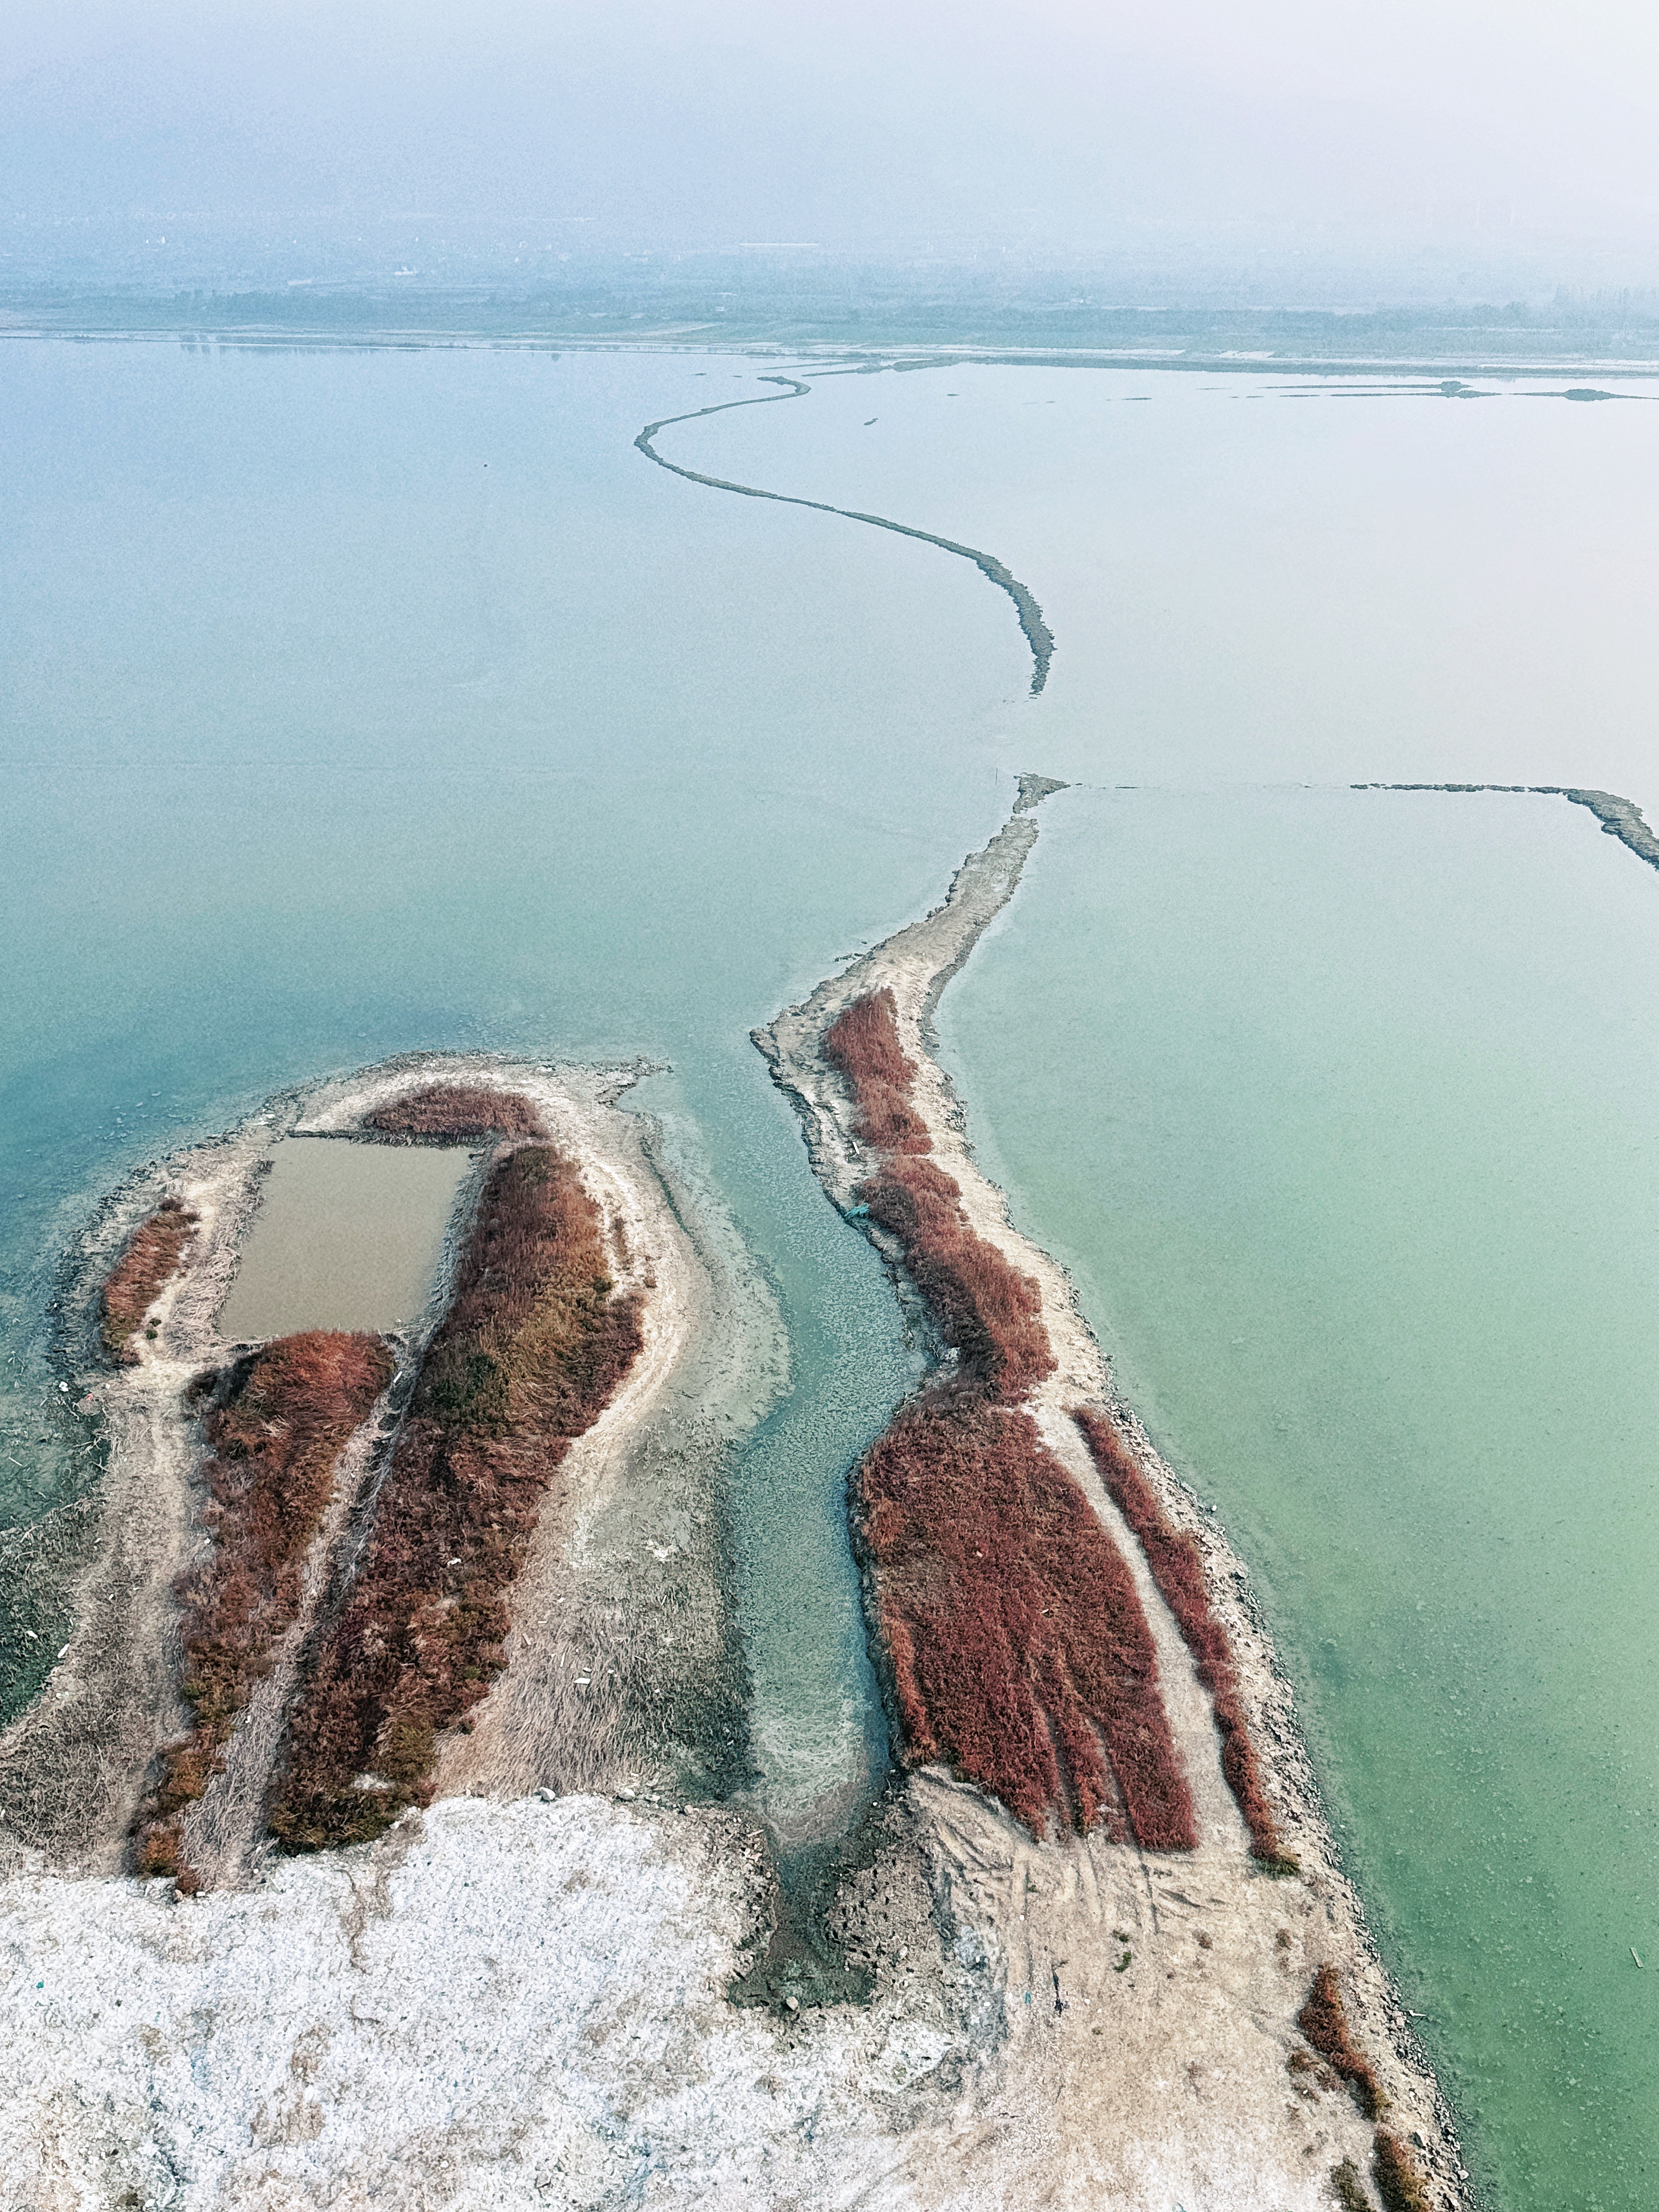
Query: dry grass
{"points": [[1323, 2021], [1018, 1647], [531, 1351], [1399, 2183], [283, 1418], [991, 1313], [1178, 1568], [136, 1279], [1350, 2188], [862, 1041], [455, 1113]]}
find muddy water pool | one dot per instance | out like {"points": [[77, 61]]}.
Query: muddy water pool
{"points": [[347, 1236]]}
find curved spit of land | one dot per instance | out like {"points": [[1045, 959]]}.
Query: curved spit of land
{"points": [[1100, 1742], [1620, 817], [320, 1554], [1038, 636]]}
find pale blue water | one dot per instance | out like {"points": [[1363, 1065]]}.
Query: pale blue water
{"points": [[364, 702]]}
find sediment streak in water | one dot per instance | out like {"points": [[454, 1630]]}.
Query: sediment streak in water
{"points": [[1038, 636]]}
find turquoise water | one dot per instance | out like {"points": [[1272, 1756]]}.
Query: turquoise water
{"points": [[363, 702], [1340, 1107], [370, 701]]}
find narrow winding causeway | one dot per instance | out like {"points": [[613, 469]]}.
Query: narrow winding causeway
{"points": [[1038, 636]]}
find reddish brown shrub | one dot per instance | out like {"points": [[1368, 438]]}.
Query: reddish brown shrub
{"points": [[136, 1281], [1399, 2183], [1018, 1648], [985, 1307], [991, 1313], [531, 1351], [1323, 2021], [1178, 1568], [863, 1042], [453, 1113], [275, 1440]]}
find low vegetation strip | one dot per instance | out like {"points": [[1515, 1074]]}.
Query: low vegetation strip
{"points": [[1398, 2183], [1016, 1639], [455, 1113], [533, 1348], [1178, 1568], [989, 1312], [1324, 2021], [139, 1276], [278, 1424], [1018, 1648], [863, 1042]]}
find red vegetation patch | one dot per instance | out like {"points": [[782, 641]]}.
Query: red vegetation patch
{"points": [[453, 1113], [533, 1348], [138, 1277], [1018, 1647], [863, 1042], [275, 1440], [986, 1307], [1399, 2183], [1325, 2023], [991, 1313], [1178, 1568]]}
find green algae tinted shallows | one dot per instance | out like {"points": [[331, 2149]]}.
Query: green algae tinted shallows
{"points": [[1344, 1109]]}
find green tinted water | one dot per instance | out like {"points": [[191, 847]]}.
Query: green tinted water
{"points": [[367, 702], [357, 702], [1340, 1107]]}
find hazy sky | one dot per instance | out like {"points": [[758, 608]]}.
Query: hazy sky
{"points": [[856, 125]]}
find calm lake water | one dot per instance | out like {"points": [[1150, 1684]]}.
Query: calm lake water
{"points": [[1340, 1107], [359, 703], [363, 702]]}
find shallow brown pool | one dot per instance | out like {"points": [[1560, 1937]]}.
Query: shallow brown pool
{"points": [[348, 1236]]}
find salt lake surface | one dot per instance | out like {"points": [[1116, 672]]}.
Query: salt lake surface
{"points": [[359, 702]]}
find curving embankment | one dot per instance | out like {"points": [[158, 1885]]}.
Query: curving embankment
{"points": [[1620, 817], [1037, 634]]}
